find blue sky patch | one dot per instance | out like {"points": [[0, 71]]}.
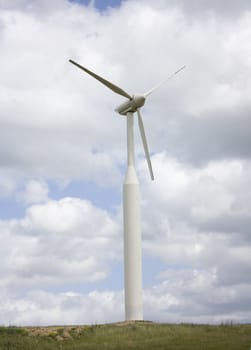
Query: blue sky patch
{"points": [[100, 4]]}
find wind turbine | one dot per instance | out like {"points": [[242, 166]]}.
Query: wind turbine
{"points": [[131, 196]]}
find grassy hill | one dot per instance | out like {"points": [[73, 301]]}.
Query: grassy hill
{"points": [[128, 335]]}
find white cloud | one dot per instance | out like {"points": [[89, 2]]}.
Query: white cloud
{"points": [[198, 218], [217, 189], [194, 296], [63, 308], [35, 192], [58, 242]]}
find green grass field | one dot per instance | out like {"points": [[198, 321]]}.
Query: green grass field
{"points": [[133, 335]]}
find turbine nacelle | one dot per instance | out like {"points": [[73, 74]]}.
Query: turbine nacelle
{"points": [[131, 105]]}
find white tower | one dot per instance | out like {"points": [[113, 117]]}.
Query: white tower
{"points": [[132, 233]]}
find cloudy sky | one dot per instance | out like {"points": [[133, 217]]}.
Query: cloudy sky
{"points": [[63, 155]]}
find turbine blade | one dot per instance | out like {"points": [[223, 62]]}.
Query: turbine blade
{"points": [[162, 82], [143, 137], [107, 83]]}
